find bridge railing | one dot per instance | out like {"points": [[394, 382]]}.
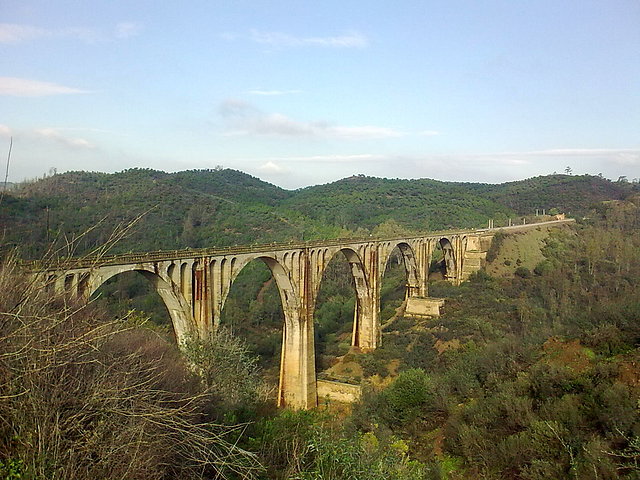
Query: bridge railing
{"points": [[163, 255]]}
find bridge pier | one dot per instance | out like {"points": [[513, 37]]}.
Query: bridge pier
{"points": [[297, 385]]}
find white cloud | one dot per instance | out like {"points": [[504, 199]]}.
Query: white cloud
{"points": [[429, 133], [272, 168], [16, 33], [127, 30], [613, 156], [5, 131], [362, 132], [574, 152], [273, 92], [337, 158], [333, 158], [23, 87], [56, 135], [631, 159], [279, 39], [13, 33], [243, 118]]}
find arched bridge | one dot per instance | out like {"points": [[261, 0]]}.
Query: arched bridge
{"points": [[194, 285]]}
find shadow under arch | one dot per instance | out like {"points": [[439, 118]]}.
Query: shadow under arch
{"points": [[297, 380], [449, 258], [177, 307], [334, 306], [364, 294], [290, 302], [414, 275]]}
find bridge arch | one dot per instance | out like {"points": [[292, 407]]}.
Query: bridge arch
{"points": [[414, 275], [449, 258], [297, 382], [364, 293], [178, 308], [288, 297]]}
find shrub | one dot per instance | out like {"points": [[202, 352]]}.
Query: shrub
{"points": [[406, 396], [496, 243], [82, 398], [227, 369]]}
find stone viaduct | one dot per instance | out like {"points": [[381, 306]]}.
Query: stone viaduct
{"points": [[194, 285]]}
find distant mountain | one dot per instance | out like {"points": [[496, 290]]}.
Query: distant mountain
{"points": [[201, 208]]}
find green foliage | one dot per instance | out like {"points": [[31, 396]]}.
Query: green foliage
{"points": [[403, 400], [523, 272], [203, 208], [12, 469], [510, 402], [496, 243], [227, 369], [82, 397], [283, 442], [372, 365], [536, 376], [306, 445]]}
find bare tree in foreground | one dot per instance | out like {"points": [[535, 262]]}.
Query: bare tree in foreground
{"points": [[85, 398]]}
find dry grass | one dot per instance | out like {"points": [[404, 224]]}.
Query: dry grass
{"points": [[81, 398]]}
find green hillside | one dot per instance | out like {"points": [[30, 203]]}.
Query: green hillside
{"points": [[186, 209], [571, 194], [201, 208], [415, 204]]}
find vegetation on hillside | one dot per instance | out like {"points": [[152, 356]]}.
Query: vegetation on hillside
{"points": [[204, 208], [533, 376], [532, 373]]}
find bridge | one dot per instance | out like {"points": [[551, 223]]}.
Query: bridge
{"points": [[194, 285]]}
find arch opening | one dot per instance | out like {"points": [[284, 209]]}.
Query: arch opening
{"points": [[442, 265], [398, 278], [253, 310], [334, 320], [134, 291]]}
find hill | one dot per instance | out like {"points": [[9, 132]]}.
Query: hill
{"points": [[222, 207], [574, 195], [186, 209], [530, 372]]}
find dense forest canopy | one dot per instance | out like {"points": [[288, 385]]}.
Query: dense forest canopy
{"points": [[221, 207]]}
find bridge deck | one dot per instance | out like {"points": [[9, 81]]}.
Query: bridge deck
{"points": [[162, 255]]}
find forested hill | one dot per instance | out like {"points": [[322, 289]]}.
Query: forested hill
{"points": [[202, 208]]}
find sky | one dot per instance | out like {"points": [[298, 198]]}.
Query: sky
{"points": [[302, 93]]}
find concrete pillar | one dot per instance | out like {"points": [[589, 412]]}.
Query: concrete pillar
{"points": [[367, 279], [424, 261], [201, 289], [297, 387]]}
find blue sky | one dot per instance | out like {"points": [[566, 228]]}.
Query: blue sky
{"points": [[301, 93]]}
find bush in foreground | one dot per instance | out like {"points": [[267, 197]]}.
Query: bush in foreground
{"points": [[83, 398]]}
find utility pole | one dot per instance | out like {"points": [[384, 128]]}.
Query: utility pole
{"points": [[47, 233]]}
